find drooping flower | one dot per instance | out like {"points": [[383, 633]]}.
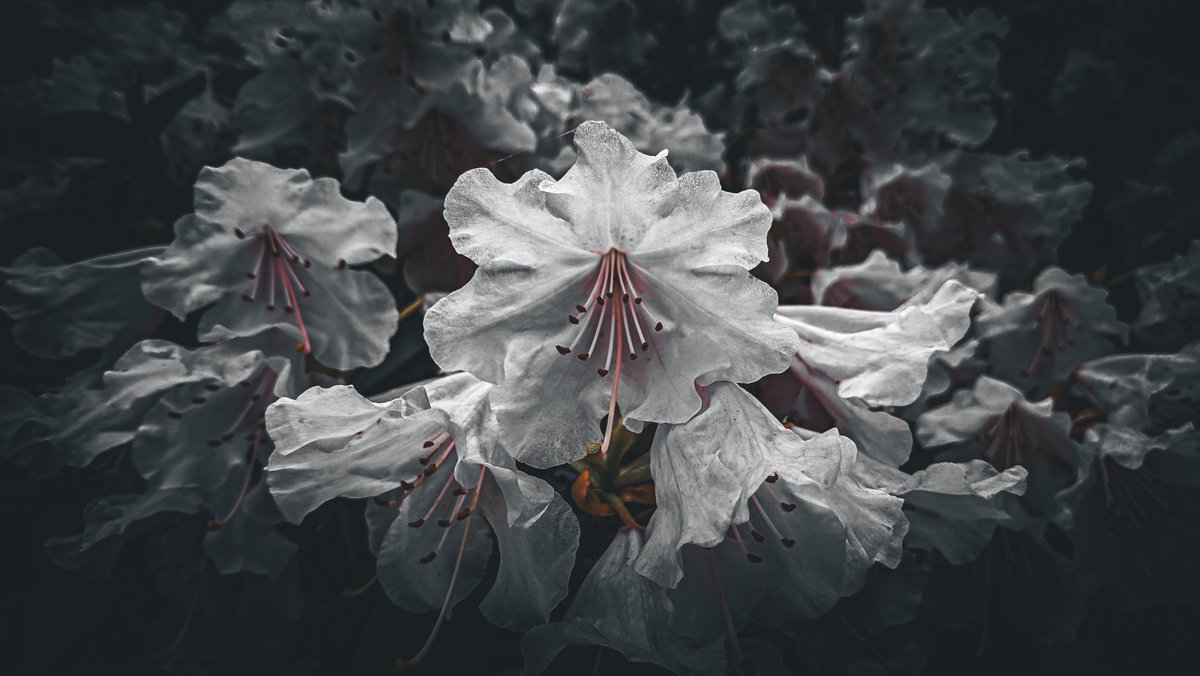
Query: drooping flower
{"points": [[620, 265], [433, 459], [994, 422], [795, 506], [270, 248], [618, 608], [851, 362], [1036, 339]]}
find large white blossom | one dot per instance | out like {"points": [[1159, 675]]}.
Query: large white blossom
{"points": [[271, 247], [619, 284]]}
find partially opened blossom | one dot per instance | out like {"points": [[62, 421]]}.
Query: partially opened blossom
{"points": [[619, 284], [994, 422], [620, 609], [852, 360], [434, 460], [270, 248], [60, 309], [1036, 339]]}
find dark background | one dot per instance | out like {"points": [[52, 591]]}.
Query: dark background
{"points": [[144, 621]]}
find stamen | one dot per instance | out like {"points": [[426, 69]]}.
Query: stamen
{"points": [[241, 498], [405, 663], [787, 542], [612, 401], [730, 628], [441, 494]]}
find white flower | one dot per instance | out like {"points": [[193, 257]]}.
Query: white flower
{"points": [[619, 284], [270, 247], [434, 452], [851, 362]]}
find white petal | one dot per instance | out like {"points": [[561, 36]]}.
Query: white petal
{"points": [[704, 471], [880, 357]]}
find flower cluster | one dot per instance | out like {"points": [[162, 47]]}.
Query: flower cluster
{"points": [[652, 389]]}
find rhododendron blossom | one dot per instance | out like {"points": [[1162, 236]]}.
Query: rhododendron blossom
{"points": [[618, 285]]}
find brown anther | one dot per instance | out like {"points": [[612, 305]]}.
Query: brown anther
{"points": [[341, 264], [658, 326], [430, 470], [256, 397], [602, 372], [637, 301], [573, 319], [239, 234], [288, 309], [212, 387], [581, 309], [270, 307], [788, 542], [458, 490], [624, 298], [306, 293], [599, 300], [583, 356], [787, 506], [754, 558], [251, 275], [227, 436], [174, 415], [416, 524], [405, 486], [758, 537], [246, 297], [633, 355], [444, 523], [428, 557], [423, 461], [428, 443], [772, 478], [463, 513], [198, 400], [645, 346], [562, 349]]}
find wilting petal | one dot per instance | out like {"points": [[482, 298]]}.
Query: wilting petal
{"points": [[269, 248], [880, 357], [536, 549], [60, 309], [251, 543], [954, 507], [620, 609], [704, 472]]}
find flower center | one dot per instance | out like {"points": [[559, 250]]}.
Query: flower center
{"points": [[600, 314], [1054, 322], [277, 269]]}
